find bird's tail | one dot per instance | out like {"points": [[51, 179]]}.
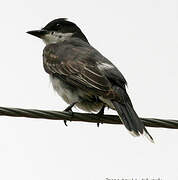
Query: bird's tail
{"points": [[130, 119]]}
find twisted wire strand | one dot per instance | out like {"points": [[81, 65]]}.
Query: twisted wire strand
{"points": [[83, 117]]}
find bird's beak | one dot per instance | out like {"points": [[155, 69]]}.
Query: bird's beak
{"points": [[38, 33]]}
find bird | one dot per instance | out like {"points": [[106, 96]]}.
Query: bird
{"points": [[83, 77]]}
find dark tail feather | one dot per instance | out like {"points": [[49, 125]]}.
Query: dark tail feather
{"points": [[131, 120]]}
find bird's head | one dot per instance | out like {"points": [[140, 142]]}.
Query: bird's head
{"points": [[58, 30]]}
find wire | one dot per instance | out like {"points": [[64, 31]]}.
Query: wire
{"points": [[83, 117]]}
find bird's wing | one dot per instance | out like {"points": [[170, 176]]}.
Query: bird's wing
{"points": [[77, 67], [114, 75]]}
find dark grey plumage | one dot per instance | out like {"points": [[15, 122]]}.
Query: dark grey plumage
{"points": [[81, 75]]}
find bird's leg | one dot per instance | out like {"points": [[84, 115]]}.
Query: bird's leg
{"points": [[69, 109], [100, 113]]}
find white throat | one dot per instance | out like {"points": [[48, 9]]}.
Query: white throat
{"points": [[54, 37]]}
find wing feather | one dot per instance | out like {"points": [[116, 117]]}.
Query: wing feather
{"points": [[76, 70]]}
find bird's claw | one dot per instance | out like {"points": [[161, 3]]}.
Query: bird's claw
{"points": [[99, 114], [65, 122], [69, 109]]}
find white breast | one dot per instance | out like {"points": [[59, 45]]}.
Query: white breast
{"points": [[71, 95], [67, 95]]}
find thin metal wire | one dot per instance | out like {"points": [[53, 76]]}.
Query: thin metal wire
{"points": [[83, 117]]}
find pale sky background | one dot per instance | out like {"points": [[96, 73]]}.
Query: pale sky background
{"points": [[141, 38]]}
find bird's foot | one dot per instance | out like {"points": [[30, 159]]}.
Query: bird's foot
{"points": [[69, 109], [65, 122], [99, 114]]}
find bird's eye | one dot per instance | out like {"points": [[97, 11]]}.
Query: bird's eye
{"points": [[52, 32]]}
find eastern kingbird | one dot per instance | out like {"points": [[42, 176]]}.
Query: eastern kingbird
{"points": [[83, 77]]}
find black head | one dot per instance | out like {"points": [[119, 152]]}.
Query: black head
{"points": [[59, 27]]}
